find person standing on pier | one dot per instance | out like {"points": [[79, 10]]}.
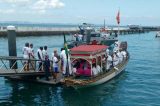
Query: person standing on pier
{"points": [[31, 51], [45, 53], [26, 56], [55, 59], [63, 60], [31, 56], [40, 57], [47, 67]]}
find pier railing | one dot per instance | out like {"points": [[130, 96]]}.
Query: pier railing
{"points": [[8, 66]]}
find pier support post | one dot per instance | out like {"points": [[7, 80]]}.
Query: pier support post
{"points": [[88, 33], [11, 34]]}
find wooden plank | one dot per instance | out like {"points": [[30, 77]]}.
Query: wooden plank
{"points": [[11, 72], [42, 80]]}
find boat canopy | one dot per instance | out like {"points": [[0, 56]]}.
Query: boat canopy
{"points": [[88, 49], [90, 53], [86, 56]]}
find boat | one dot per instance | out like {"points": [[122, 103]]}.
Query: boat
{"points": [[157, 34], [91, 33], [88, 56]]}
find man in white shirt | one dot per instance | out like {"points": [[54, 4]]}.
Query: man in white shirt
{"points": [[26, 56], [64, 60], [32, 64], [98, 69], [120, 56], [94, 70], [40, 57], [124, 54], [109, 62], [116, 46], [45, 53], [80, 37], [31, 51], [26, 51]]}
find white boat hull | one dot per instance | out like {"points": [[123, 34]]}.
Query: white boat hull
{"points": [[107, 78]]}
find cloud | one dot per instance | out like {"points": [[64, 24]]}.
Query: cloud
{"points": [[15, 1], [36, 6], [43, 5], [8, 11]]}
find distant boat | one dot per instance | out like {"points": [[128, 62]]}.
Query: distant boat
{"points": [[157, 34], [100, 35]]}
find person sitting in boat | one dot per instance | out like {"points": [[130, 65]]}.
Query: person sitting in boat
{"points": [[115, 60], [116, 46], [76, 65], [109, 62], [120, 55], [80, 37], [124, 54], [98, 69], [75, 36], [94, 70], [85, 66]]}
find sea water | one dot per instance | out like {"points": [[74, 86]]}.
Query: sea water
{"points": [[138, 85]]}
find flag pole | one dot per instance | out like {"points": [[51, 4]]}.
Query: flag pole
{"points": [[66, 52], [118, 21]]}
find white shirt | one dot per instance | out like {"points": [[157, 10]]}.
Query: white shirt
{"points": [[44, 53], [25, 52], [109, 62], [63, 55], [80, 37], [115, 60], [94, 70], [31, 52], [40, 53], [107, 51], [120, 56], [98, 69], [124, 54], [55, 62], [74, 70], [116, 47]]}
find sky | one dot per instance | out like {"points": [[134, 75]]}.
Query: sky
{"points": [[132, 12]]}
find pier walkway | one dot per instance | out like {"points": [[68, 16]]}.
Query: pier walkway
{"points": [[12, 70], [43, 31]]}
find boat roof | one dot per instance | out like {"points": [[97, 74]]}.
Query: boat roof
{"points": [[89, 48]]}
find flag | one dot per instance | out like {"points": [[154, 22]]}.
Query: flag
{"points": [[65, 45], [118, 17]]}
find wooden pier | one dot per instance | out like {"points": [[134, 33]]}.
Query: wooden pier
{"points": [[38, 31], [33, 74]]}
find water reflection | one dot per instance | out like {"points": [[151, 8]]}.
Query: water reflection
{"points": [[93, 96], [26, 93]]}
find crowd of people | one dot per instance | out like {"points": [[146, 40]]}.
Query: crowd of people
{"points": [[52, 66], [78, 37], [46, 64], [116, 57]]}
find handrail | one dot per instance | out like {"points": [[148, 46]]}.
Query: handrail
{"points": [[29, 66]]}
